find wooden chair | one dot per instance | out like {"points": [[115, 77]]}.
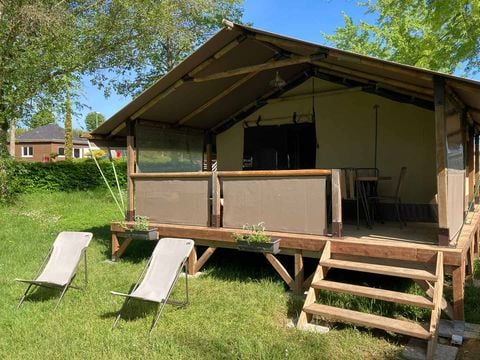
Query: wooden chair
{"points": [[396, 197]]}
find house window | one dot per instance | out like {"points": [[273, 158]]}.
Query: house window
{"points": [[27, 151], [61, 151], [76, 153]]}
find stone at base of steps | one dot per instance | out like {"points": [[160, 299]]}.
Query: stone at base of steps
{"points": [[447, 329], [417, 349], [319, 329], [198, 274]]}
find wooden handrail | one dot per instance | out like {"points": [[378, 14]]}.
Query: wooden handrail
{"points": [[275, 173], [191, 174]]}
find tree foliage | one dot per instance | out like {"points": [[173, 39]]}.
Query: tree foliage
{"points": [[40, 118], [46, 46], [93, 120], [438, 35], [68, 129]]}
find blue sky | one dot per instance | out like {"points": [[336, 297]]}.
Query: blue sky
{"points": [[303, 19]]}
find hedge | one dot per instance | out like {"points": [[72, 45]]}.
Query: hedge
{"points": [[64, 175]]}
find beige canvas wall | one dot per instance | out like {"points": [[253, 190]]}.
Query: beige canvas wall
{"points": [[275, 201], [173, 201], [345, 126]]}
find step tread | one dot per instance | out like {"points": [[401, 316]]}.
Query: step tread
{"points": [[369, 320], [370, 267], [375, 293]]}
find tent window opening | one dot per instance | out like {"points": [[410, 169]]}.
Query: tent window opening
{"points": [[280, 147], [168, 150]]}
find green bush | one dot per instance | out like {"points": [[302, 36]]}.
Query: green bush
{"points": [[64, 175], [9, 180]]}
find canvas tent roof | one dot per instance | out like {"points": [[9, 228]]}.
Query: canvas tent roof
{"points": [[229, 77]]}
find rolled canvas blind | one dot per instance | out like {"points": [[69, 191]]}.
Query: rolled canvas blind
{"points": [[168, 150]]}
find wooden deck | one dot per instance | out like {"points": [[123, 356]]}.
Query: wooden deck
{"points": [[416, 242]]}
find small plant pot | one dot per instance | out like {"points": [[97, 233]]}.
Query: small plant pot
{"points": [[150, 234], [272, 247]]}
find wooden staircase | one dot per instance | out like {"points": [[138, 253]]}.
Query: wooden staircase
{"points": [[429, 273]]}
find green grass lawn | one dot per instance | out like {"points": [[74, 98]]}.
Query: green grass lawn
{"points": [[239, 308]]}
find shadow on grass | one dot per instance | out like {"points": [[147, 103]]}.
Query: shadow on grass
{"points": [[42, 294], [137, 251]]}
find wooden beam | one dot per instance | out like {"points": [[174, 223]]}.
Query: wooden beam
{"points": [[441, 161], [317, 94], [256, 68], [477, 164], [216, 204], [123, 247], [209, 156], [190, 174], [203, 259], [274, 173], [373, 77], [115, 246], [298, 272], [336, 204], [180, 82], [216, 98], [471, 165], [130, 170], [192, 262], [458, 283], [277, 265], [368, 82]]}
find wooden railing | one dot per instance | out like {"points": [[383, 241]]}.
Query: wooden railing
{"points": [[218, 180]]}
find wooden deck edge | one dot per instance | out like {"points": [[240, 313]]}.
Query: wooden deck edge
{"points": [[222, 237]]}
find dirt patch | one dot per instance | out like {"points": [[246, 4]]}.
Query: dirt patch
{"points": [[470, 350]]}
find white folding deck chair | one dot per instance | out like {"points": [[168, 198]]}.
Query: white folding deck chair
{"points": [[160, 275], [60, 265]]}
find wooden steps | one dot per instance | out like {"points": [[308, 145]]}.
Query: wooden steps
{"points": [[374, 293], [369, 320], [429, 272], [409, 273]]}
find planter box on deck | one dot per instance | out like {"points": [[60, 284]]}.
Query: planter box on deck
{"points": [[272, 247], [150, 234]]}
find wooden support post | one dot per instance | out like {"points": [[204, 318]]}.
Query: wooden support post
{"points": [[203, 259], [441, 161], [130, 216], [476, 165], [336, 204], [192, 262], [216, 204], [470, 164], [123, 247], [277, 265], [458, 283], [115, 246], [299, 272], [209, 156]]}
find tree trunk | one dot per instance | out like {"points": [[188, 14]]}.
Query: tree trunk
{"points": [[68, 129], [13, 129]]}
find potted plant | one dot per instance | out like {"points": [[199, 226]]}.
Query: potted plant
{"points": [[256, 240], [140, 229]]}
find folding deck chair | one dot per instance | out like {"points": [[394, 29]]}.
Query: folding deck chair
{"points": [[60, 265], [160, 275]]}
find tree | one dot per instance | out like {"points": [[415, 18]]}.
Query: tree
{"points": [[40, 118], [68, 129], [93, 120], [44, 42], [438, 35]]}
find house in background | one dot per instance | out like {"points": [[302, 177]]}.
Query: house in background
{"points": [[40, 143]]}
